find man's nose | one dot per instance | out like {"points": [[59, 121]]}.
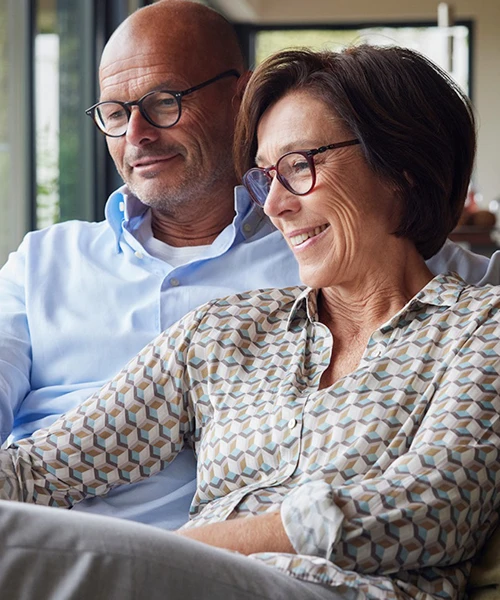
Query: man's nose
{"points": [[139, 130]]}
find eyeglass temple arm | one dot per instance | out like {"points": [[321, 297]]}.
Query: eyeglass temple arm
{"points": [[333, 146], [230, 73]]}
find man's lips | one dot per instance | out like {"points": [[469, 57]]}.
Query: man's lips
{"points": [[151, 161]]}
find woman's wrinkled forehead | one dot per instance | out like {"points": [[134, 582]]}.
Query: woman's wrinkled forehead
{"points": [[299, 120]]}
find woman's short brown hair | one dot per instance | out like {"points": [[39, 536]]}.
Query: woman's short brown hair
{"points": [[416, 126]]}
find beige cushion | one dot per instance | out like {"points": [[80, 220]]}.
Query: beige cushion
{"points": [[484, 581]]}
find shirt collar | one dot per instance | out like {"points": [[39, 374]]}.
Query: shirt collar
{"points": [[118, 209], [443, 290], [123, 207], [250, 216], [304, 307]]}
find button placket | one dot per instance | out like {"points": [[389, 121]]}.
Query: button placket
{"points": [[290, 454]]}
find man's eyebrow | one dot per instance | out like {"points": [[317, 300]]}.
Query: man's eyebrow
{"points": [[169, 86]]}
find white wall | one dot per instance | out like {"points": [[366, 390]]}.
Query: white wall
{"points": [[486, 48]]}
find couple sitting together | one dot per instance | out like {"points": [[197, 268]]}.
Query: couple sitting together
{"points": [[346, 431]]}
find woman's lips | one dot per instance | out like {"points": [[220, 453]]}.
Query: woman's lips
{"points": [[300, 238]]}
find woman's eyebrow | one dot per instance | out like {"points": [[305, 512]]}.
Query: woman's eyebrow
{"points": [[298, 145]]}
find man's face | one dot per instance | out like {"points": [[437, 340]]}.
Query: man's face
{"points": [[169, 169]]}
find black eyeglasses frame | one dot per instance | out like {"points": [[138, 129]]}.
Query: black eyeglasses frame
{"points": [[178, 95]]}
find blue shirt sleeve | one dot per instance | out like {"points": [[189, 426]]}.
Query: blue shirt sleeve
{"points": [[15, 345]]}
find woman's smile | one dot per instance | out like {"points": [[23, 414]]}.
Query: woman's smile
{"points": [[298, 239]]}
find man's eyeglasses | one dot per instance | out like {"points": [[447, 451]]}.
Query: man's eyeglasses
{"points": [[160, 108], [294, 170]]}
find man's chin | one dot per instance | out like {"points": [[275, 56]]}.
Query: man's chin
{"points": [[160, 195], [146, 190]]}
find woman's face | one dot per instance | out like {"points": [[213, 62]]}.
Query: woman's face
{"points": [[337, 231]]}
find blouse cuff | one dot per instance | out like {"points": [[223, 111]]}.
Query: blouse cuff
{"points": [[311, 520]]}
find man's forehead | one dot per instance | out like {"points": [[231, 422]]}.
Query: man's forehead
{"points": [[142, 73]]}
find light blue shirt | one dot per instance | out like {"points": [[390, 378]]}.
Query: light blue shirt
{"points": [[78, 300]]}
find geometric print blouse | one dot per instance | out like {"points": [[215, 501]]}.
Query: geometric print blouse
{"points": [[387, 481]]}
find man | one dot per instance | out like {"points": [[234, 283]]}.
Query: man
{"points": [[78, 300]]}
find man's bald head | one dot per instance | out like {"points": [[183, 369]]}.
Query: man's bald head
{"points": [[195, 37], [184, 172]]}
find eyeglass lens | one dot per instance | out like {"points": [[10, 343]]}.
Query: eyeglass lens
{"points": [[161, 108], [294, 172]]}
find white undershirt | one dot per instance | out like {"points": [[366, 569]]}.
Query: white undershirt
{"points": [[173, 255]]}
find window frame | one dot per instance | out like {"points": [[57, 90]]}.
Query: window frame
{"points": [[247, 34]]}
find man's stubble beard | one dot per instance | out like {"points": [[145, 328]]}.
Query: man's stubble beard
{"points": [[192, 195]]}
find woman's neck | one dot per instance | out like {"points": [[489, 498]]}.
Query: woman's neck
{"points": [[376, 294], [353, 310]]}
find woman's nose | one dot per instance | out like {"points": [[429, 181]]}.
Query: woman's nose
{"points": [[279, 200]]}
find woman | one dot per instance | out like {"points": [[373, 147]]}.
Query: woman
{"points": [[353, 422]]}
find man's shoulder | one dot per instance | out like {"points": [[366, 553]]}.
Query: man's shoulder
{"points": [[70, 228], [473, 268], [68, 233]]}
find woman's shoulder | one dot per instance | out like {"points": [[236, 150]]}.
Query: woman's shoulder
{"points": [[487, 292], [477, 298], [266, 301]]}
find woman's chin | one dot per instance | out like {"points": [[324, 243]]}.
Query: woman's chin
{"points": [[311, 278]]}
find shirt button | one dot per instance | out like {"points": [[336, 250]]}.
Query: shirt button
{"points": [[247, 228], [292, 423], [121, 207], [174, 282], [377, 352], [139, 255]]}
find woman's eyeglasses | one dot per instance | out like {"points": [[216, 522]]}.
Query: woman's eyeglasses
{"points": [[294, 170]]}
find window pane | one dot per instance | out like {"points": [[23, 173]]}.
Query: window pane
{"points": [[433, 42], [64, 88]]}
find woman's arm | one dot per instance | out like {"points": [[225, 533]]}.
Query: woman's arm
{"points": [[129, 430]]}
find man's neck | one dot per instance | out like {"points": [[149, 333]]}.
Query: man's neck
{"points": [[199, 230], [178, 234]]}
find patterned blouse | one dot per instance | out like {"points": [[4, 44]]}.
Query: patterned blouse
{"points": [[387, 481]]}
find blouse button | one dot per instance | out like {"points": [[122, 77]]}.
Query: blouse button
{"points": [[292, 423]]}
